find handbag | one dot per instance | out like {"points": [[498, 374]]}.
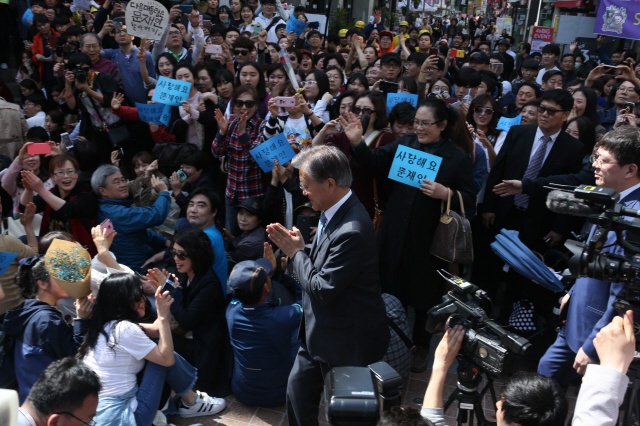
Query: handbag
{"points": [[452, 238], [170, 154]]}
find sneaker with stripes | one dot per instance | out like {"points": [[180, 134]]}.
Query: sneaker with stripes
{"points": [[205, 406]]}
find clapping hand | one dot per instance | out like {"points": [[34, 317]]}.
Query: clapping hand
{"points": [[26, 217], [31, 181]]}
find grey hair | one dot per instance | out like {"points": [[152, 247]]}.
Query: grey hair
{"points": [[324, 162], [99, 177], [85, 36]]}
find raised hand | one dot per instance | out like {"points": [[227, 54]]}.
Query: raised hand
{"points": [[117, 100], [30, 180], [223, 123], [158, 184], [352, 127], [26, 218], [101, 239]]}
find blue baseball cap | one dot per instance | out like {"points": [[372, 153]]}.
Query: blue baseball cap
{"points": [[249, 276]]}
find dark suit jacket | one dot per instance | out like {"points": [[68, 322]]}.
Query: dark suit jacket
{"points": [[565, 157], [344, 320]]}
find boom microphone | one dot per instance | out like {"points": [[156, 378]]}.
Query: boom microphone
{"points": [[563, 202]]}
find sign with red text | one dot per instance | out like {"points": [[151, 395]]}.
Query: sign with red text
{"points": [[540, 37]]}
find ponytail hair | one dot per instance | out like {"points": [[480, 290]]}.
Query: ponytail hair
{"points": [[30, 271]]}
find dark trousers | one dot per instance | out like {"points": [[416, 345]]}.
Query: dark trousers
{"points": [[304, 389]]}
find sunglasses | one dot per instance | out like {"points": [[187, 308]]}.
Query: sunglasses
{"points": [[483, 111], [181, 255], [239, 52], [248, 104], [550, 111], [358, 110]]}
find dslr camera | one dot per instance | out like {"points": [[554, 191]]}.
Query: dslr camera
{"points": [[79, 74], [486, 345]]}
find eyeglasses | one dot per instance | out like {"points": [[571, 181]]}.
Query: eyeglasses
{"points": [[238, 52], [595, 159], [181, 255], [483, 111], [66, 413], [333, 77], [550, 111], [175, 33], [440, 89], [359, 110], [309, 83], [293, 59], [63, 173], [248, 104], [417, 123]]}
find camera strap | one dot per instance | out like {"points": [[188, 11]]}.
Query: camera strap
{"points": [[408, 343]]}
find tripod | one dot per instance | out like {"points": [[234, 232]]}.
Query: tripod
{"points": [[630, 408], [467, 395]]}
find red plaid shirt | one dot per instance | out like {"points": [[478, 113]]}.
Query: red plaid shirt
{"points": [[245, 179]]}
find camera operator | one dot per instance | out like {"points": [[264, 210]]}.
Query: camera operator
{"points": [[90, 93], [615, 160], [528, 399], [603, 387]]}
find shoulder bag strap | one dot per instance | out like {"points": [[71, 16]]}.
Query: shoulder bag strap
{"points": [[461, 203], [405, 339]]}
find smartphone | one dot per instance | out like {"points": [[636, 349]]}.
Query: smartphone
{"points": [[453, 53], [185, 8], [433, 51], [497, 69], [285, 101], [39, 149], [207, 24], [213, 49], [610, 66], [314, 25], [118, 26], [169, 285], [304, 224], [66, 139], [182, 175], [388, 87], [107, 227], [257, 28], [630, 106]]}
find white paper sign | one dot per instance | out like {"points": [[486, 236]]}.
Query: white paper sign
{"points": [[146, 19]]}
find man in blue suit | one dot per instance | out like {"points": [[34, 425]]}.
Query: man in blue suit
{"points": [[344, 321], [616, 161]]}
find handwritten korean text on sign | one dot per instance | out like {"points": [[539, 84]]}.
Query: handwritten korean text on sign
{"points": [[276, 147], [411, 166], [146, 19], [171, 92]]}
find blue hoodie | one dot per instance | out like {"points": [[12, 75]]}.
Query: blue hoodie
{"points": [[41, 336]]}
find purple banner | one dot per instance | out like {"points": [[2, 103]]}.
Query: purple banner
{"points": [[618, 19]]}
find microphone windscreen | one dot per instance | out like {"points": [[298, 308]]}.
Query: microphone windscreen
{"points": [[566, 203]]}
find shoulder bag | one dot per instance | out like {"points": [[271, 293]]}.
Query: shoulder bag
{"points": [[452, 238]]}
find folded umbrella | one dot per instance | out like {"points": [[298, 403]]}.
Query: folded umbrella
{"points": [[514, 253]]}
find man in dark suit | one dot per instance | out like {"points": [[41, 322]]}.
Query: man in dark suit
{"points": [[529, 152], [344, 321], [616, 163]]}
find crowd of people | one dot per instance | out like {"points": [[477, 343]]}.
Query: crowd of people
{"points": [[209, 276]]}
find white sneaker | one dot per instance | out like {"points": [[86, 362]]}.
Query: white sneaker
{"points": [[205, 406]]}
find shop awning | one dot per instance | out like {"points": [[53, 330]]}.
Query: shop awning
{"points": [[569, 3]]}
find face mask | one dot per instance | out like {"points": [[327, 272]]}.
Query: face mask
{"points": [[578, 64], [226, 22]]}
